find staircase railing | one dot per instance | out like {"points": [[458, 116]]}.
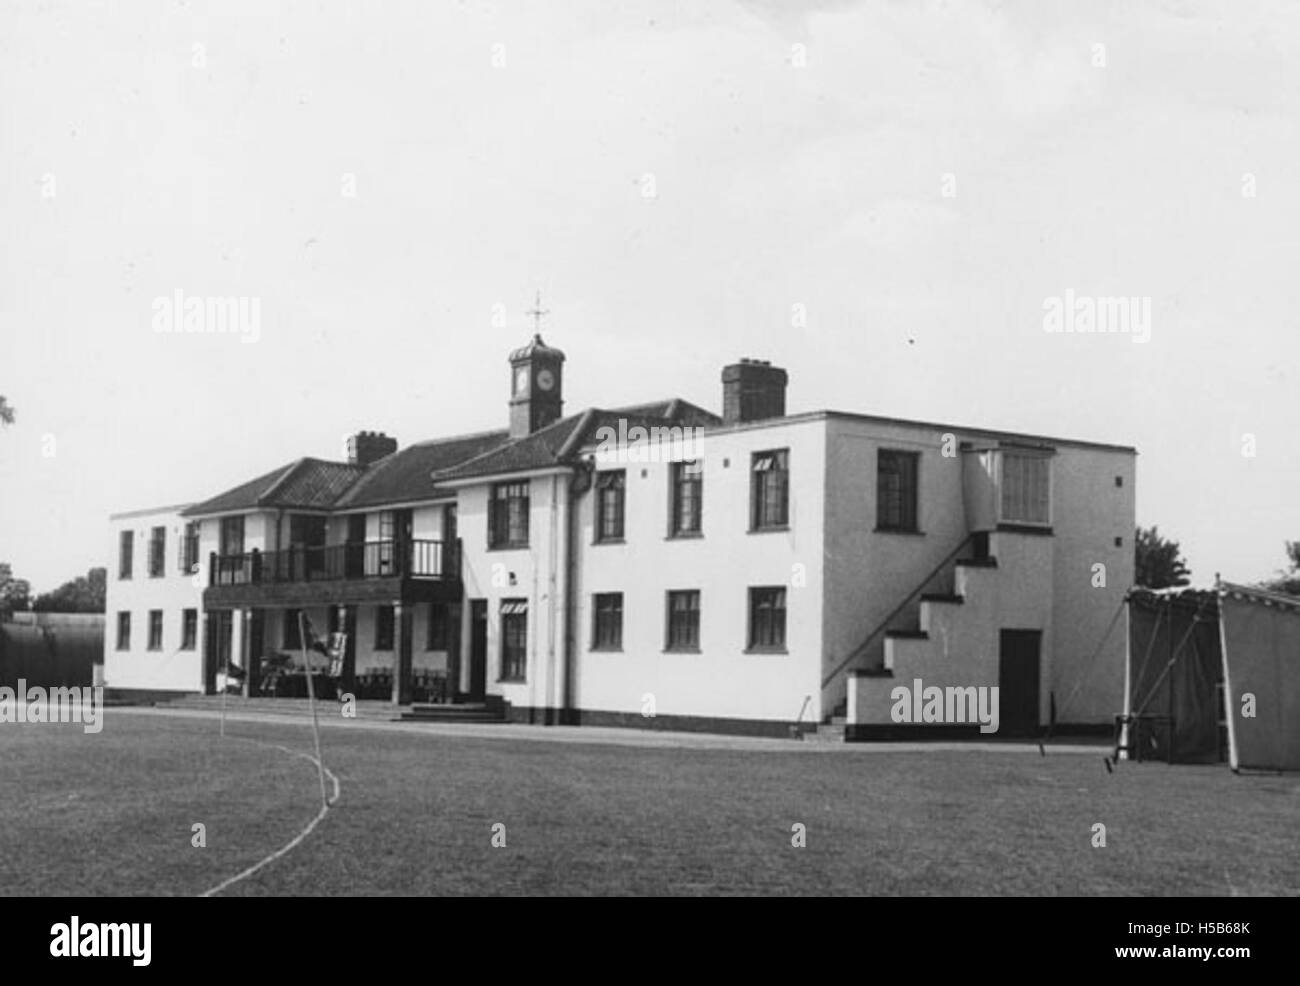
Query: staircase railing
{"points": [[893, 613]]}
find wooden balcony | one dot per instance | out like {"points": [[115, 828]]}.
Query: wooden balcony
{"points": [[374, 571]]}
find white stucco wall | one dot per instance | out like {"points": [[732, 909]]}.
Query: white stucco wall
{"points": [[169, 668]]}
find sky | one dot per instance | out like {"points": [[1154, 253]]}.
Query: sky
{"points": [[881, 198]]}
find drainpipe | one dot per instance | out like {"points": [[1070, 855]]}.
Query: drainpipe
{"points": [[578, 483]]}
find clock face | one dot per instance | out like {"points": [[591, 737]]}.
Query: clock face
{"points": [[521, 380], [546, 380]]}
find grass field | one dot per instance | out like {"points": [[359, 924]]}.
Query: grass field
{"points": [[113, 813]]}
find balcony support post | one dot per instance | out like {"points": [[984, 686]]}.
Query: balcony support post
{"points": [[402, 653]]}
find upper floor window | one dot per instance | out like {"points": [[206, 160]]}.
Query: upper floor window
{"points": [[770, 505], [125, 554], [609, 505], [683, 620], [232, 535], [157, 545], [767, 618], [607, 627], [514, 639], [896, 490], [508, 515], [189, 557], [1026, 487], [687, 497]]}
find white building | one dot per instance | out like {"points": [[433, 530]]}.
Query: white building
{"points": [[663, 566]]}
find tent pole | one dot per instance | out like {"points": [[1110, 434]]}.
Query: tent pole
{"points": [[1227, 680], [1128, 677]]}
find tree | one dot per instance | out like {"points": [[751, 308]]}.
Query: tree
{"points": [[1159, 562], [14, 593], [1287, 581], [84, 594], [6, 411]]}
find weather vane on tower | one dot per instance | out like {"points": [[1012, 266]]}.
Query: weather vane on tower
{"points": [[538, 313]]}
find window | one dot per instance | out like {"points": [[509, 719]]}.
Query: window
{"points": [[387, 532], [125, 554], [123, 631], [157, 545], [189, 629], [767, 618], [437, 635], [189, 553], [514, 639], [607, 629], [1025, 488], [155, 629], [508, 516], [683, 620], [687, 497], [232, 536], [291, 634], [896, 474], [384, 621], [771, 490], [609, 505]]}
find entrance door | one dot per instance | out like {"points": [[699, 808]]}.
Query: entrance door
{"points": [[1018, 682], [477, 650]]}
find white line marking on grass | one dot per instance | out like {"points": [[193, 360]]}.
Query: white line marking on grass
{"points": [[301, 835]]}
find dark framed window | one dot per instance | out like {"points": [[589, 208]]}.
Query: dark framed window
{"points": [[157, 545], [770, 497], [189, 548], [385, 621], [155, 629], [291, 632], [508, 516], [683, 620], [232, 535], [514, 639], [767, 618], [189, 629], [687, 480], [436, 638], [123, 631], [125, 554], [896, 490], [610, 490], [607, 621]]}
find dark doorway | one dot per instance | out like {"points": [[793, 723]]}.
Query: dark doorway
{"points": [[477, 650], [216, 647], [1018, 682], [355, 552]]}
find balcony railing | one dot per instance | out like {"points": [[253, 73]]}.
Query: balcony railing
{"points": [[333, 562]]}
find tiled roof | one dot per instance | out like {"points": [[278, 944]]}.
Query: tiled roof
{"points": [[412, 474], [406, 475], [304, 483]]}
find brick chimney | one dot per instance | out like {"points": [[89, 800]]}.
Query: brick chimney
{"points": [[366, 447], [752, 390]]}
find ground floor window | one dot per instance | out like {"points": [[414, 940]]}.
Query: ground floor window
{"points": [[384, 622], [123, 631], [514, 639], [683, 620], [607, 631], [189, 629], [767, 618]]}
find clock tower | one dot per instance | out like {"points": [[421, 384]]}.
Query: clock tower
{"points": [[536, 375]]}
